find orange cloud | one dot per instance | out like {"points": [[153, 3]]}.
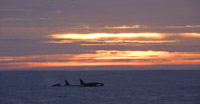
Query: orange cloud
{"points": [[125, 39], [36, 57], [102, 58], [109, 38], [190, 34]]}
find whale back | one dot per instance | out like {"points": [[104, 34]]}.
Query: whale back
{"points": [[56, 85]]}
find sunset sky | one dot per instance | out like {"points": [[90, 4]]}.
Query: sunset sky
{"points": [[99, 34]]}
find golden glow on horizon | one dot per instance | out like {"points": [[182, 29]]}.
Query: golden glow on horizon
{"points": [[102, 58], [16, 65]]}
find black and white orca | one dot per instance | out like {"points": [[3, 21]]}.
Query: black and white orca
{"points": [[91, 84]]}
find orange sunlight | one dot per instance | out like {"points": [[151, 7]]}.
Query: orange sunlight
{"points": [[106, 35]]}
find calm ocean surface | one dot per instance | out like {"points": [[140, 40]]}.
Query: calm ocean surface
{"points": [[121, 87]]}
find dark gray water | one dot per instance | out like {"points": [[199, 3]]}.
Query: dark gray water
{"points": [[121, 87]]}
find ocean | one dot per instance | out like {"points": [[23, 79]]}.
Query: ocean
{"points": [[121, 87]]}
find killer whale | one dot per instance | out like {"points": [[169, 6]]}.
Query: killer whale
{"points": [[91, 84], [82, 84]]}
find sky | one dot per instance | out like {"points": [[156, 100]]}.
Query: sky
{"points": [[99, 34]]}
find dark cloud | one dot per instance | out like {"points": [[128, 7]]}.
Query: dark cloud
{"points": [[151, 12]]}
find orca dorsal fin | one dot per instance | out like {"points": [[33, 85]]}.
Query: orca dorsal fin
{"points": [[67, 83], [81, 82]]}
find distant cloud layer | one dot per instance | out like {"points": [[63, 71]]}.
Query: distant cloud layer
{"points": [[65, 33]]}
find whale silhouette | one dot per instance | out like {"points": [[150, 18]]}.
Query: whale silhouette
{"points": [[82, 84], [67, 83], [91, 84], [59, 85], [56, 85]]}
